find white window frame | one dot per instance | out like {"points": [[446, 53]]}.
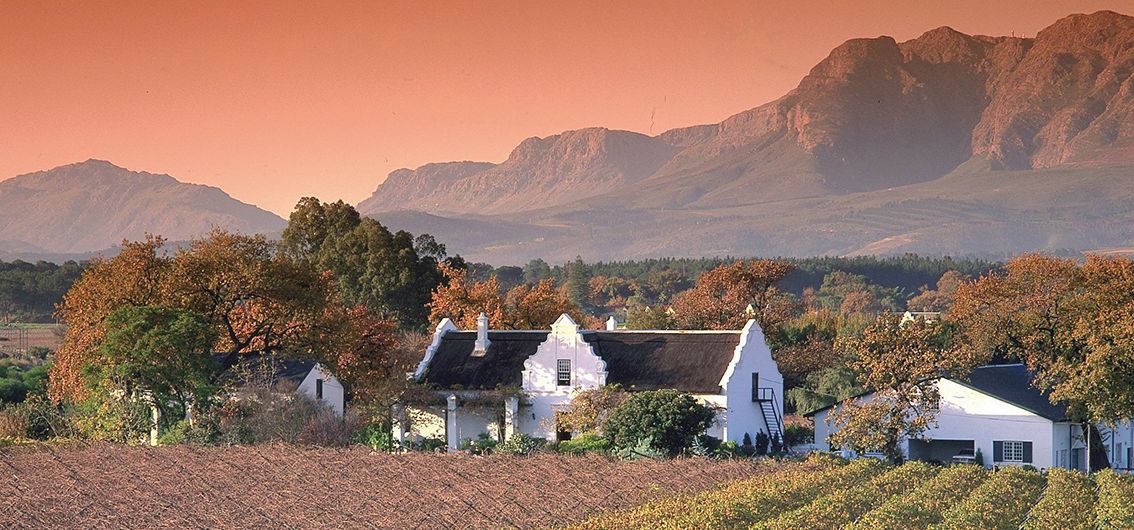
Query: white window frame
{"points": [[562, 372], [1016, 454]]}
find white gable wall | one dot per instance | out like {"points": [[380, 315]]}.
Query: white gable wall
{"points": [[333, 393], [741, 414], [540, 377]]}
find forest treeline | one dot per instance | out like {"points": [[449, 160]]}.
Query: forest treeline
{"points": [[29, 292]]}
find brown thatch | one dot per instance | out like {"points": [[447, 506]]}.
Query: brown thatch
{"points": [[454, 366], [689, 362]]}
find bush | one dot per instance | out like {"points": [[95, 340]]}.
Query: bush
{"points": [[762, 442], [428, 445], [1115, 507], [706, 446], [14, 423], [375, 436], [1068, 502], [482, 445], [521, 444], [795, 434], [12, 389], [643, 449], [585, 443], [667, 417]]}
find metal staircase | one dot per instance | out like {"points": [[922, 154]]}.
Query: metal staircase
{"points": [[766, 397]]}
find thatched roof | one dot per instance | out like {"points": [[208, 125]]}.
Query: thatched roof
{"points": [[691, 362], [454, 366]]}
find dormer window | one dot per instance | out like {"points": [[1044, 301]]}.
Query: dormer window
{"points": [[563, 372]]}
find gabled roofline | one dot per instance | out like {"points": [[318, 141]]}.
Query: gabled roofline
{"points": [[443, 327], [749, 328], [961, 383]]}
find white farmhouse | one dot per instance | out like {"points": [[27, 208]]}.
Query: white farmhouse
{"points": [[502, 382], [996, 411]]}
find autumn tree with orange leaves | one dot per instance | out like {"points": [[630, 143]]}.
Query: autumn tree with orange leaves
{"points": [[522, 307], [1072, 324], [722, 296], [900, 363], [255, 298]]}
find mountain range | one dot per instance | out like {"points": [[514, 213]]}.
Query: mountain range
{"points": [[944, 144], [74, 210]]}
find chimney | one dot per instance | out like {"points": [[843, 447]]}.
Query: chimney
{"points": [[481, 346], [611, 324]]}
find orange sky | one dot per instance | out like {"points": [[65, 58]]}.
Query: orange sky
{"points": [[275, 100]]}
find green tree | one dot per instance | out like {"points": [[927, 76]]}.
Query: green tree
{"points": [[158, 355], [670, 419], [578, 283], [392, 273]]}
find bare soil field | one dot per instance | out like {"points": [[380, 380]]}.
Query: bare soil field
{"points": [[16, 339], [112, 486]]}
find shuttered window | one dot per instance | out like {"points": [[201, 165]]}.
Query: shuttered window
{"points": [[1009, 451], [318, 389]]}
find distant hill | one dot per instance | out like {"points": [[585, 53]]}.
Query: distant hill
{"points": [[94, 205], [947, 143]]}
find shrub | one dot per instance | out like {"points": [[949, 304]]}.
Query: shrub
{"points": [[1068, 502], [667, 417], [922, 506], [377, 437], [777, 446], [643, 449], [12, 389], [706, 446], [844, 506], [1115, 507], [428, 445], [585, 443], [482, 445], [762, 442], [1002, 501], [14, 422], [795, 434], [521, 444]]}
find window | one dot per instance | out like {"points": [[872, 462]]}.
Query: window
{"points": [[1013, 451], [563, 371], [318, 389]]}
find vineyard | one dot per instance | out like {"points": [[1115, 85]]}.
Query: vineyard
{"points": [[867, 494], [111, 486]]}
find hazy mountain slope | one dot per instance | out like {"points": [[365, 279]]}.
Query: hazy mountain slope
{"points": [[540, 172], [94, 205], [947, 143]]}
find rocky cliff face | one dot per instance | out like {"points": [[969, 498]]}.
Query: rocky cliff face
{"points": [[873, 115], [94, 205]]}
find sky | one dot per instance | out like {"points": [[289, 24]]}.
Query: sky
{"points": [[277, 100]]}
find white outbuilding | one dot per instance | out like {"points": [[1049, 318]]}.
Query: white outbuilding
{"points": [[493, 383], [995, 411]]}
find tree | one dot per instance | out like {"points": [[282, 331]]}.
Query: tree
{"points": [[160, 356], [536, 270], [667, 417], [135, 277], [1071, 325], [590, 409], [578, 283], [256, 299], [522, 307], [645, 317], [901, 364], [722, 296], [259, 299], [942, 297], [393, 273]]}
